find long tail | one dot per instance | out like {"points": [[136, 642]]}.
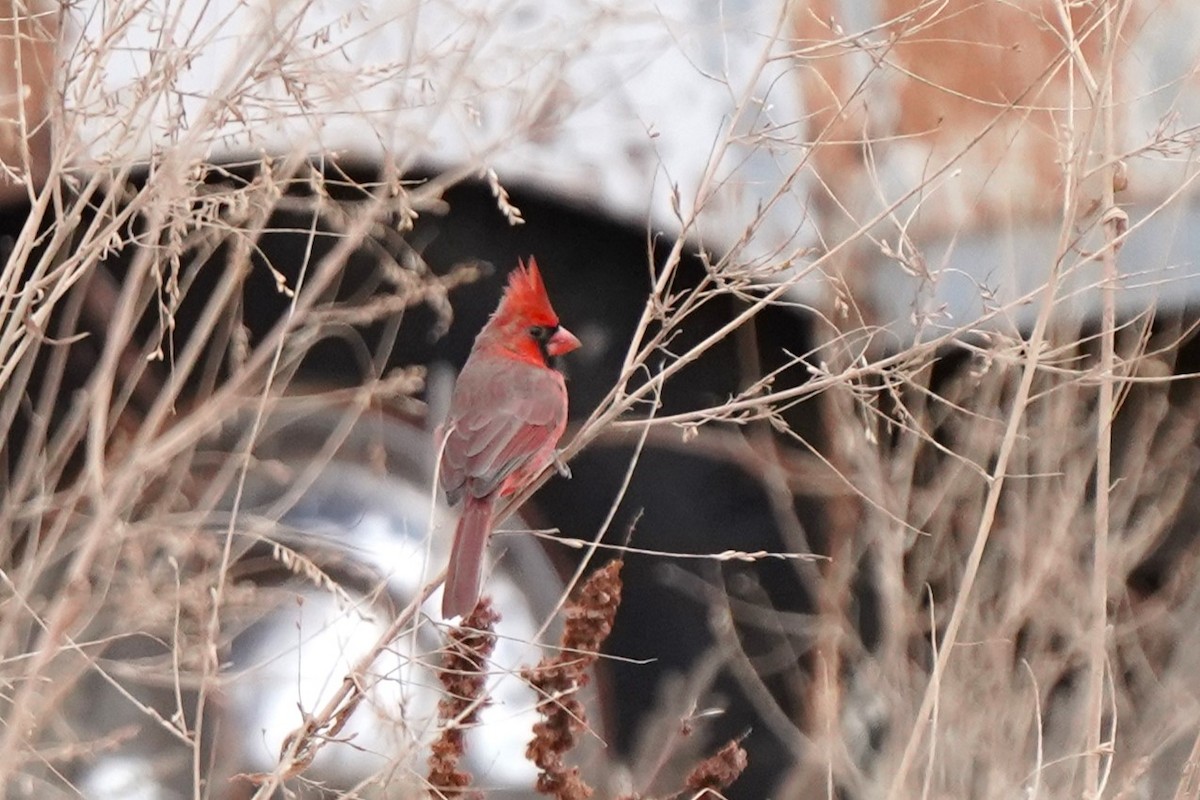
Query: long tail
{"points": [[464, 575]]}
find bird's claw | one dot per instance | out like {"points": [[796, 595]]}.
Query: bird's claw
{"points": [[561, 466]]}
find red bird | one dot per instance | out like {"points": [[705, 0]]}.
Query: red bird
{"points": [[507, 413]]}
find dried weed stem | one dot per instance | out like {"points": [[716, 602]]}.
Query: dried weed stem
{"points": [[463, 675], [558, 679]]}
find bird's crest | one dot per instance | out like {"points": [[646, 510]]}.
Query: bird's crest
{"points": [[526, 294]]}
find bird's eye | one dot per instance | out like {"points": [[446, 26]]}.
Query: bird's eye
{"points": [[539, 333]]}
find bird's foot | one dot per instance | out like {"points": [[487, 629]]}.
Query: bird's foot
{"points": [[561, 466]]}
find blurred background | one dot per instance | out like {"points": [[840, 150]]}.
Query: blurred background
{"points": [[885, 391]]}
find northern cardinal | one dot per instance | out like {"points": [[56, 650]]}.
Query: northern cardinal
{"points": [[507, 413]]}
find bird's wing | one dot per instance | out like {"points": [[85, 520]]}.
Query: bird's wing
{"points": [[503, 417]]}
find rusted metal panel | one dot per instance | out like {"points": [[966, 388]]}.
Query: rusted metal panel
{"points": [[28, 38], [950, 124]]}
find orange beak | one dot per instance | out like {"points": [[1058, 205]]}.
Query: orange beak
{"points": [[563, 341]]}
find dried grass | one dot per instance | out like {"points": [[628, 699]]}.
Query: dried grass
{"points": [[1003, 512]]}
